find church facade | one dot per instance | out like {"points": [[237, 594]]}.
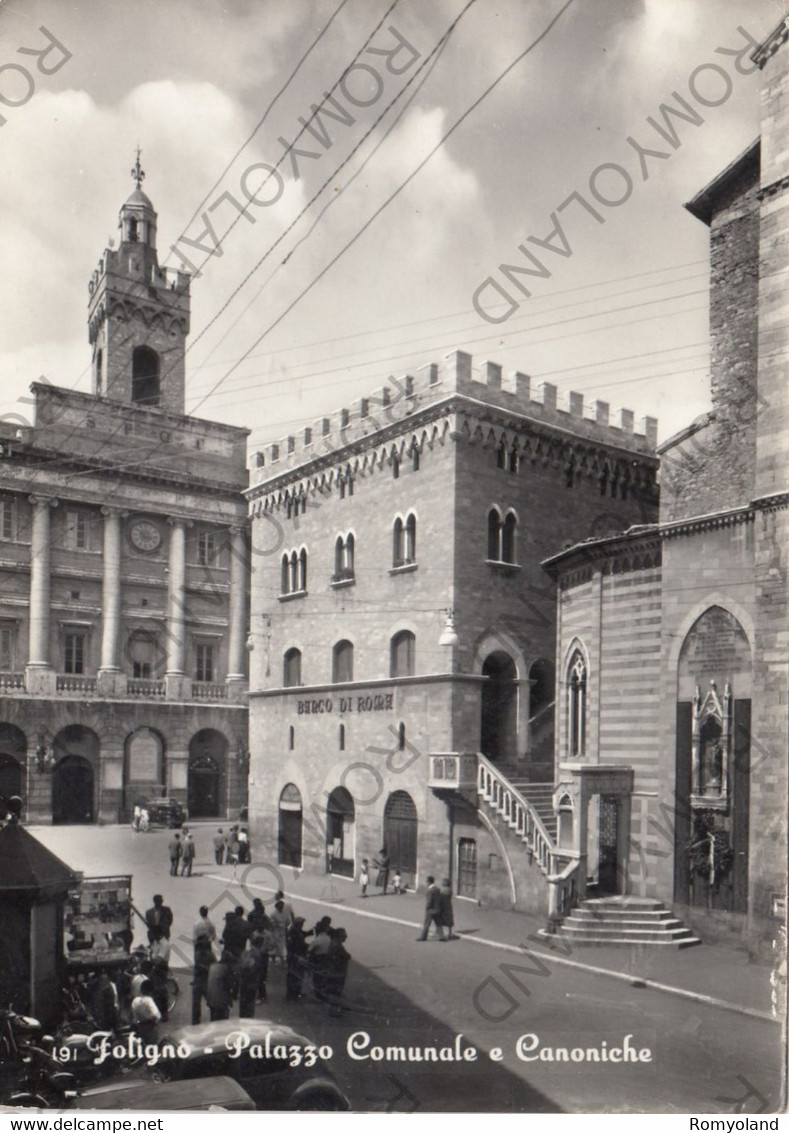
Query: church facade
{"points": [[673, 639], [124, 569]]}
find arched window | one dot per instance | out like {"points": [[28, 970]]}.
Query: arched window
{"points": [[290, 826], [145, 376], [402, 654], [410, 539], [291, 669], [501, 455], [343, 558], [395, 466], [415, 458], [494, 535], [508, 534], [576, 705], [397, 543], [285, 581], [293, 583], [514, 463], [342, 662], [302, 574]]}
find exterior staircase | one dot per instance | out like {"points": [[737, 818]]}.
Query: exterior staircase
{"points": [[539, 795], [626, 920]]}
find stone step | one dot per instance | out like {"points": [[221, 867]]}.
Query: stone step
{"points": [[618, 915], [622, 902], [670, 941], [593, 923], [621, 932]]}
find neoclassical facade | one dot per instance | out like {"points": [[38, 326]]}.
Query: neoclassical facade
{"points": [[402, 629], [124, 568]]}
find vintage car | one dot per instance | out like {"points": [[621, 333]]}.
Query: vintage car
{"points": [[165, 812], [277, 1067], [131, 1094]]}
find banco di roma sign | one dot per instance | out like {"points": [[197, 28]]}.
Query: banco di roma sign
{"points": [[381, 702]]}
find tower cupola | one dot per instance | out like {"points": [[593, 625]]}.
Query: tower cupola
{"points": [[138, 314]]}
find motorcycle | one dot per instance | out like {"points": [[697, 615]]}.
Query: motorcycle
{"points": [[31, 1076]]}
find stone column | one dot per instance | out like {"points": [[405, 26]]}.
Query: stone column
{"points": [[110, 680], [40, 676], [239, 563], [175, 675]]}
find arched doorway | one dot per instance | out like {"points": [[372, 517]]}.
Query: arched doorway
{"points": [[290, 826], [77, 754], [13, 750], [72, 790], [143, 768], [206, 779], [340, 820], [499, 724], [400, 835], [11, 779]]}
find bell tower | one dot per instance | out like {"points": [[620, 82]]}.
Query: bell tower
{"points": [[138, 314]]}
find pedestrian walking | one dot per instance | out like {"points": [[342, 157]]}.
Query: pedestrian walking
{"points": [[136, 818], [219, 846], [248, 977], [262, 941], [286, 905], [432, 910], [397, 882], [280, 922], [187, 855], [204, 927], [219, 993], [159, 916], [174, 849], [243, 846], [203, 959], [382, 862], [364, 876], [446, 912], [297, 959], [231, 846]]}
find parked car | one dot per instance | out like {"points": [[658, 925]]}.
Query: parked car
{"points": [[128, 1094], [292, 1077], [165, 812]]}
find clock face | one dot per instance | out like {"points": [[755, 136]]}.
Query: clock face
{"points": [[145, 535]]}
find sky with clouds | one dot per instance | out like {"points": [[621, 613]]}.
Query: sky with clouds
{"points": [[308, 303]]}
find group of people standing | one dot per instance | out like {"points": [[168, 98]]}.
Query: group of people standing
{"points": [[250, 943], [181, 849], [232, 847], [439, 910]]}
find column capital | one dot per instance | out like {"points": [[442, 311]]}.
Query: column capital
{"points": [[176, 520], [39, 500], [107, 511]]}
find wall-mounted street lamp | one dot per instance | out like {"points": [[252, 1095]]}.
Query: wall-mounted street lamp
{"points": [[449, 635]]}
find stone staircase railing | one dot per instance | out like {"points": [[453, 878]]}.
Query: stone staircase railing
{"points": [[559, 868]]}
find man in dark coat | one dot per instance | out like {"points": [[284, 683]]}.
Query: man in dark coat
{"points": [[203, 959], [296, 941], [432, 910], [237, 932], [159, 916], [219, 992], [248, 976]]}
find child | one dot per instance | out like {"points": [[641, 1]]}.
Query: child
{"points": [[364, 876], [398, 882]]}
